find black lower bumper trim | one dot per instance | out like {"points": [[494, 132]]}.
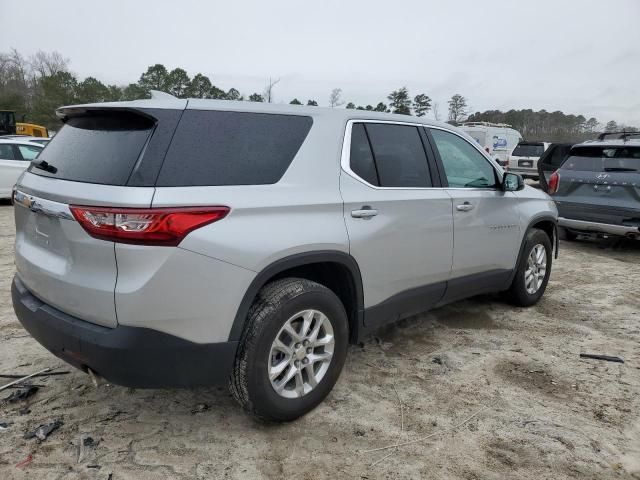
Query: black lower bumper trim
{"points": [[128, 356]]}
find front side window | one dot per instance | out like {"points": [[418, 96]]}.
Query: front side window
{"points": [[28, 152], [464, 166]]}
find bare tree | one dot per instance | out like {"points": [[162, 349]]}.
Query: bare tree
{"points": [[335, 98], [436, 111], [268, 90], [457, 108], [48, 64]]}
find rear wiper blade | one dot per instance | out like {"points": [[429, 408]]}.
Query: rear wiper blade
{"points": [[44, 165], [620, 169]]}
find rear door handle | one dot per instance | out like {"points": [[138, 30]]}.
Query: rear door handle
{"points": [[364, 212], [465, 207]]}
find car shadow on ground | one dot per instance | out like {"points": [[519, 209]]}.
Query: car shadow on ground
{"points": [[614, 244]]}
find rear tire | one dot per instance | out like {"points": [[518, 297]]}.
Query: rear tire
{"points": [[533, 269], [270, 352]]}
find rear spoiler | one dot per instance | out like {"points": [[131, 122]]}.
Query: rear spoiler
{"points": [[64, 113], [623, 135]]}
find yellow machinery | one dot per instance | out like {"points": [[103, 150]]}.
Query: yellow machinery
{"points": [[31, 130]]}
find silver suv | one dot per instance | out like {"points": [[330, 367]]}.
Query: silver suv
{"points": [[180, 243]]}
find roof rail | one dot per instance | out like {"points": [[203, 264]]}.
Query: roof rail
{"points": [[623, 135], [158, 95], [485, 124]]}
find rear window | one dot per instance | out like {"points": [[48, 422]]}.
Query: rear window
{"points": [[604, 159], [232, 148], [101, 148], [528, 150]]}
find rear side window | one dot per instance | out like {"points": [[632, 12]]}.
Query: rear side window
{"points": [[232, 148], [101, 148], [604, 159], [399, 155], [558, 155]]}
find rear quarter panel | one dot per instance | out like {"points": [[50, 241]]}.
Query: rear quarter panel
{"points": [[302, 212]]}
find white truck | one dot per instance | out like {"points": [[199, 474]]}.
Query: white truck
{"points": [[498, 139]]}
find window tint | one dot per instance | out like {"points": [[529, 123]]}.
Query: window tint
{"points": [[361, 158], [6, 152], [101, 148], [28, 152], [232, 148], [464, 166], [558, 155], [528, 150], [399, 155], [604, 159]]}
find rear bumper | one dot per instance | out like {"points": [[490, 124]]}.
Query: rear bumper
{"points": [[594, 227], [129, 356]]}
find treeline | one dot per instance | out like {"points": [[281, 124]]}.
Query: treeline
{"points": [[35, 86], [548, 126]]}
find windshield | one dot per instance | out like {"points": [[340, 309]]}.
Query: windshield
{"points": [[528, 150], [604, 159]]}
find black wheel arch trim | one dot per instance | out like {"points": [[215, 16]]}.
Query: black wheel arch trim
{"points": [[299, 260], [554, 241]]}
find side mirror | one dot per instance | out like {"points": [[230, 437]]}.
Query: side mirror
{"points": [[512, 182]]}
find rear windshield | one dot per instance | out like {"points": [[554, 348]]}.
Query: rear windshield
{"points": [[232, 148], [528, 150], [604, 159], [101, 148]]}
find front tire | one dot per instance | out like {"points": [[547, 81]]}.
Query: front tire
{"points": [[292, 350], [533, 270]]}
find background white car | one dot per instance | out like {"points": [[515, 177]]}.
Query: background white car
{"points": [[524, 159], [15, 157]]}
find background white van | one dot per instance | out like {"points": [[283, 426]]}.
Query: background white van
{"points": [[499, 138]]}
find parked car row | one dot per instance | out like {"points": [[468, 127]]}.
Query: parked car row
{"points": [[597, 188], [16, 154]]}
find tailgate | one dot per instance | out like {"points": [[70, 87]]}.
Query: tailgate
{"points": [[90, 162], [55, 257]]}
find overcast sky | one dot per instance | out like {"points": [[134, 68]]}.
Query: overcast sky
{"points": [[577, 56]]}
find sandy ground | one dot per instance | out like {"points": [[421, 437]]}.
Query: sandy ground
{"points": [[547, 413]]}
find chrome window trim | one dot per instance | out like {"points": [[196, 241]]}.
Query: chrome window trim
{"points": [[345, 158]]}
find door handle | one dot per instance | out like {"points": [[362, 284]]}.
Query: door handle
{"points": [[364, 212], [465, 207]]}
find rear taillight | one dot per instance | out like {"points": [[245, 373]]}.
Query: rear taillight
{"points": [[553, 183], [145, 226]]}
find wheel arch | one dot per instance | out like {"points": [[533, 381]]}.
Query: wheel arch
{"points": [[546, 223], [336, 270]]}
